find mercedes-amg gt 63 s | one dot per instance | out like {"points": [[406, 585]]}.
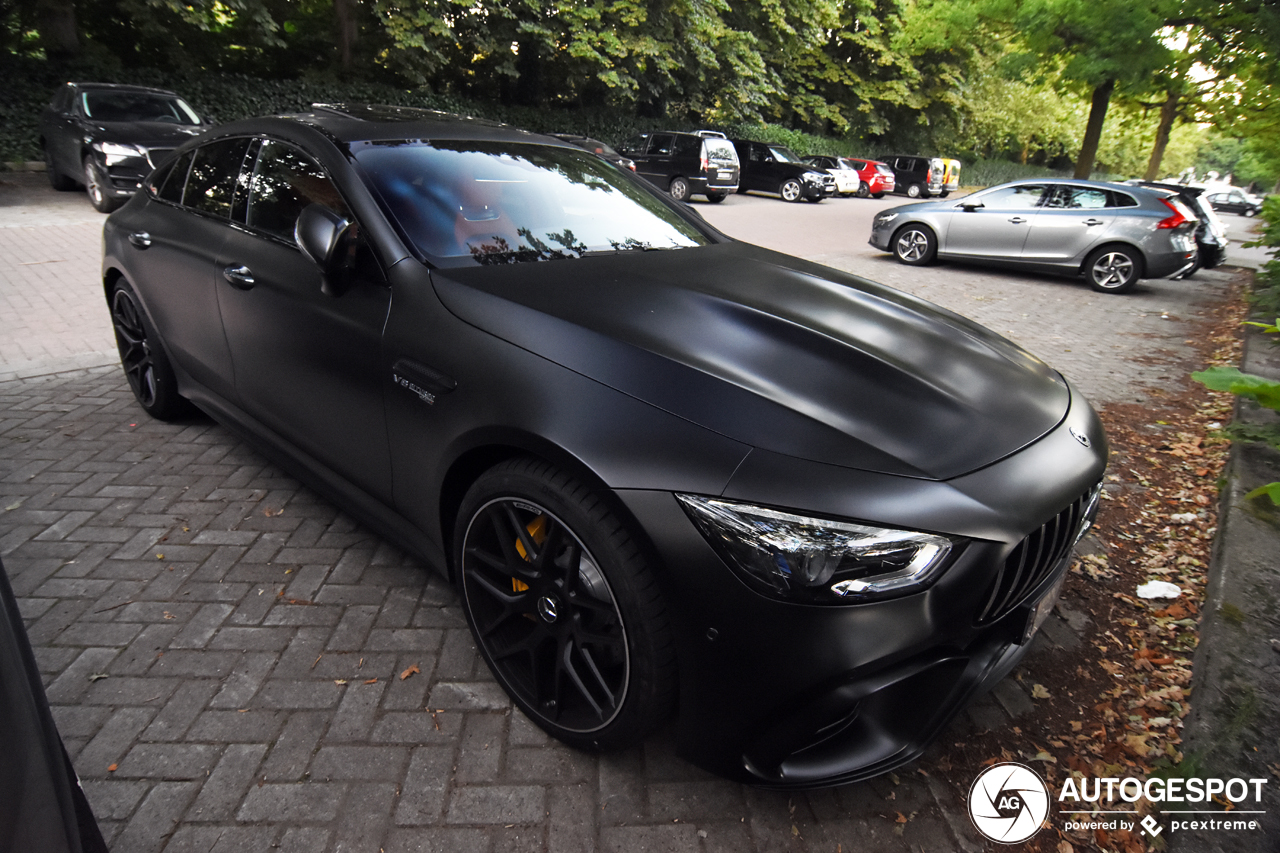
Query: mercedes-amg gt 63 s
{"points": [[669, 472]]}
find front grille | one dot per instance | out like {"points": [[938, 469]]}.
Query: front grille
{"points": [[1035, 557]]}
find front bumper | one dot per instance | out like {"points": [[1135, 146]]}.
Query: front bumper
{"points": [[785, 695]]}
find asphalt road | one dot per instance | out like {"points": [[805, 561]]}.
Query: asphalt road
{"points": [[223, 649]]}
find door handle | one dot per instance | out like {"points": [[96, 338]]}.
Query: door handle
{"points": [[1094, 222], [240, 277], [1017, 220], [141, 239]]}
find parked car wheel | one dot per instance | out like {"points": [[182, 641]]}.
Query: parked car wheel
{"points": [[679, 188], [146, 366], [564, 606], [1251, 211], [915, 245], [57, 180], [877, 195], [790, 190], [864, 192], [95, 184], [716, 198], [944, 193], [916, 191], [1113, 269]]}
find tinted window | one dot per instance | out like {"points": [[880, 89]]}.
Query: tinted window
{"points": [[211, 185], [112, 105], [175, 180], [1121, 200], [506, 202], [688, 146], [1020, 197], [635, 145], [284, 182], [661, 144], [62, 101]]}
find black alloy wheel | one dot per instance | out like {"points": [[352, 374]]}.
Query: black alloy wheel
{"points": [[564, 606], [1113, 269], [97, 186], [915, 245], [146, 366], [790, 190], [57, 180], [864, 191], [679, 189]]}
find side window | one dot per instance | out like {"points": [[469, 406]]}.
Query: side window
{"points": [[211, 184], [284, 182], [759, 154], [661, 144], [635, 146], [1078, 198], [1020, 197], [1118, 199], [62, 100], [688, 146], [171, 187]]}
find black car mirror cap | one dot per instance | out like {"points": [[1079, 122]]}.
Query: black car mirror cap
{"points": [[972, 207], [323, 235]]}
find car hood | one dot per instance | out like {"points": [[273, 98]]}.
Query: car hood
{"points": [[148, 134], [775, 352]]}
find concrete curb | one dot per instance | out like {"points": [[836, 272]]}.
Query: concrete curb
{"points": [[1233, 730]]}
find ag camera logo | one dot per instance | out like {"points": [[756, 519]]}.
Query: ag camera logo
{"points": [[1008, 803]]}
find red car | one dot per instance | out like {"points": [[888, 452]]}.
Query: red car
{"points": [[877, 177]]}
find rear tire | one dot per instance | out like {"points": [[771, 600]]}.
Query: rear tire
{"points": [[564, 606], [716, 198], [915, 191], [1113, 269], [864, 192], [57, 180], [679, 189]]}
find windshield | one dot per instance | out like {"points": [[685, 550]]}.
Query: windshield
{"points": [[783, 155], [480, 202], [137, 106]]}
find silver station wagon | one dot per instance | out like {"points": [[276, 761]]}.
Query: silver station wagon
{"points": [[1111, 234]]}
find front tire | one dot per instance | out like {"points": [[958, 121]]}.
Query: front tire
{"points": [[1113, 269], [790, 190], [97, 185], [57, 180], [564, 606], [915, 245], [679, 189], [146, 365]]}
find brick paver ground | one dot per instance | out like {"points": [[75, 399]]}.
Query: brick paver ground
{"points": [[223, 648]]}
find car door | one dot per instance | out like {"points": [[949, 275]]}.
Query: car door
{"points": [[994, 224], [656, 163], [307, 365], [1070, 222], [178, 236]]}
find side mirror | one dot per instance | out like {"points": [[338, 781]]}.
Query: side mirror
{"points": [[970, 208], [325, 238]]}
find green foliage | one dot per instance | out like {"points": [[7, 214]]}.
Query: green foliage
{"points": [[1266, 284]]}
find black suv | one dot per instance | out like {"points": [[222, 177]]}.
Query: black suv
{"points": [[775, 169], [686, 163], [108, 137], [915, 176]]}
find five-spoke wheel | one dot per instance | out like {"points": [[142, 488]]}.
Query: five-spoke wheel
{"points": [[790, 190], [679, 188], [146, 367], [1113, 269], [915, 245], [96, 185], [563, 606]]}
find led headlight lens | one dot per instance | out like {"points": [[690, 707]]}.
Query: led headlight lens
{"points": [[885, 218], [813, 177], [816, 560], [115, 152]]}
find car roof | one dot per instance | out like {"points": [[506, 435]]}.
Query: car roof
{"points": [[121, 87], [362, 122]]}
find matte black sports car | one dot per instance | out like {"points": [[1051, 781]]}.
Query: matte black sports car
{"points": [[665, 469]]}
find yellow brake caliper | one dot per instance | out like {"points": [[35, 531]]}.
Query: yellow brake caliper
{"points": [[538, 530]]}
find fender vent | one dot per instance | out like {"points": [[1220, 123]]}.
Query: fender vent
{"points": [[1035, 557]]}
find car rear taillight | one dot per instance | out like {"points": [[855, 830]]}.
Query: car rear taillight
{"points": [[702, 161], [1179, 216]]}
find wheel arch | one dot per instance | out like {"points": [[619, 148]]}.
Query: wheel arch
{"points": [[1115, 244]]}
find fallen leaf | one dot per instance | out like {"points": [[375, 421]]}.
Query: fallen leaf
{"points": [[98, 676], [410, 671], [901, 818], [111, 768], [272, 513], [371, 681], [339, 681], [1039, 691]]}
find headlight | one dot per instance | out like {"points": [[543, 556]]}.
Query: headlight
{"points": [[813, 177], [816, 560], [885, 219], [115, 152]]}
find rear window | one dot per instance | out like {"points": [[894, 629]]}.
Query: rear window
{"points": [[1119, 199], [482, 202], [719, 150], [884, 170]]}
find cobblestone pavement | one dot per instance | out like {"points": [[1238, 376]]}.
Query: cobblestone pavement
{"points": [[224, 650]]}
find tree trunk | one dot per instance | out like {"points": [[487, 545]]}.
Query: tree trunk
{"points": [[1168, 114], [56, 22], [348, 30], [1093, 132]]}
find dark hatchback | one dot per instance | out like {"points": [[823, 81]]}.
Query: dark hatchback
{"points": [[108, 137], [666, 470]]}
